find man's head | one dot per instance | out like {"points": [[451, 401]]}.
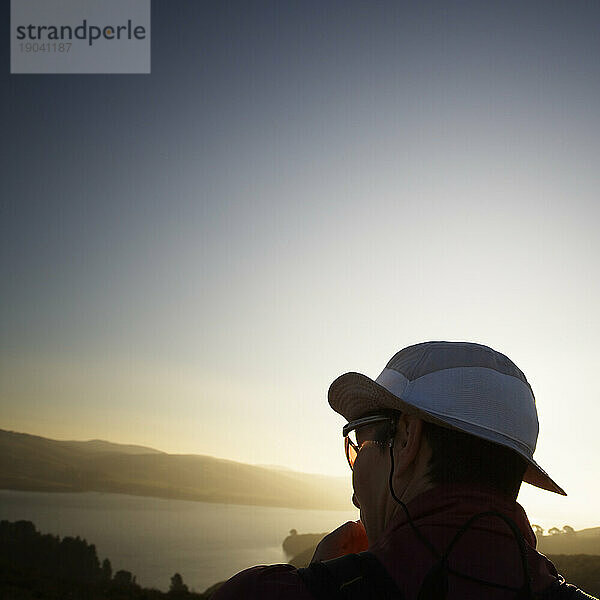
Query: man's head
{"points": [[425, 455], [463, 413], [371, 463]]}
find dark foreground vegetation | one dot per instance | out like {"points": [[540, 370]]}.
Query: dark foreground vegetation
{"points": [[33, 565]]}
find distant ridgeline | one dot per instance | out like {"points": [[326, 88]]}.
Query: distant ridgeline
{"points": [[34, 463], [33, 565]]}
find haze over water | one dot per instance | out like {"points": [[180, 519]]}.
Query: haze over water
{"points": [[155, 538]]}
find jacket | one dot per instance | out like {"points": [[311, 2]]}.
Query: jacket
{"points": [[487, 551]]}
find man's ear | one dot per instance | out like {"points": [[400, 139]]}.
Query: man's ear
{"points": [[407, 443]]}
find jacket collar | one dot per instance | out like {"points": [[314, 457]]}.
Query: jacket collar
{"points": [[453, 504]]}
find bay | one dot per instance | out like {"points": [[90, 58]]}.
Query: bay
{"points": [[155, 538]]}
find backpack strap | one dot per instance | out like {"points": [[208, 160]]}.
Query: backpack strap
{"points": [[350, 577]]}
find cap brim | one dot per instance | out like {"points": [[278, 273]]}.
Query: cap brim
{"points": [[536, 476], [352, 395]]}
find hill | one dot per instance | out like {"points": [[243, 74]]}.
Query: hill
{"points": [[35, 463], [585, 541]]}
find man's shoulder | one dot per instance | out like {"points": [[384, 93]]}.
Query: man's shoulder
{"points": [[271, 582]]}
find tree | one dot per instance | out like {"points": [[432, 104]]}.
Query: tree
{"points": [[123, 579], [177, 585], [568, 530], [553, 531], [539, 531], [106, 570]]}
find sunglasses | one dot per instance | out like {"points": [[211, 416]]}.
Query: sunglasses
{"points": [[353, 447]]}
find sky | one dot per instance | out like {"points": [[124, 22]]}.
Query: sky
{"points": [[300, 189]]}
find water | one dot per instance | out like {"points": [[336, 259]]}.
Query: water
{"points": [[155, 538]]}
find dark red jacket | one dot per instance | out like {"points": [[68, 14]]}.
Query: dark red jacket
{"points": [[486, 551]]}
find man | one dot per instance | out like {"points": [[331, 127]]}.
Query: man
{"points": [[438, 445]]}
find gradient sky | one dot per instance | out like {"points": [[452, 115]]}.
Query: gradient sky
{"points": [[300, 189]]}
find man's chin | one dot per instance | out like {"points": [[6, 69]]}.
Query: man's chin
{"points": [[355, 501]]}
